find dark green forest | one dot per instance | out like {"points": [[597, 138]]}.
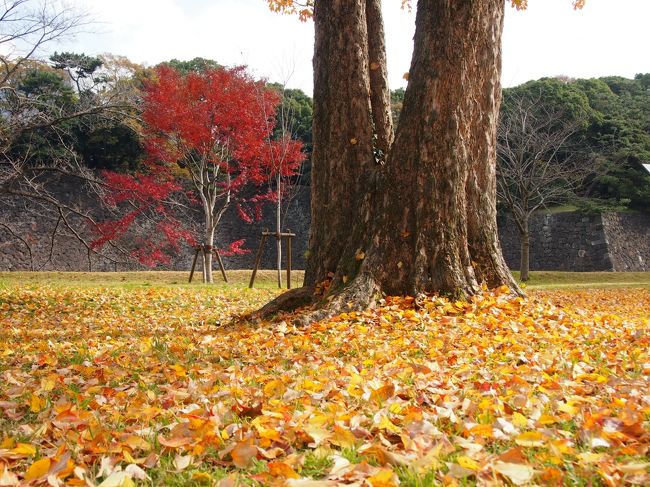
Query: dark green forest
{"points": [[611, 117]]}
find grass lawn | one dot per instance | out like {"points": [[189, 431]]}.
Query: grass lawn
{"points": [[122, 379], [266, 279], [584, 280]]}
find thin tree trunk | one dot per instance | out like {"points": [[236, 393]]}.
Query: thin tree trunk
{"points": [[208, 244], [207, 266], [278, 229], [524, 268]]}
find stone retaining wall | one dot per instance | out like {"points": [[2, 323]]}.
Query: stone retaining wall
{"points": [[561, 241], [628, 239], [36, 225]]}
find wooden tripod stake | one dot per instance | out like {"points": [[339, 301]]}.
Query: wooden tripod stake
{"points": [[203, 249], [258, 257]]}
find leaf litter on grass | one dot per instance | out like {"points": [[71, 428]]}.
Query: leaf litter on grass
{"points": [[159, 387]]}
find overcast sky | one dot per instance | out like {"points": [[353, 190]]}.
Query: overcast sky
{"points": [[608, 37]]}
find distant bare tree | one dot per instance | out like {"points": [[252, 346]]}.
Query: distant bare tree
{"points": [[27, 27], [537, 160]]}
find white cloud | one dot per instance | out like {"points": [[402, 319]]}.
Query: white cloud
{"points": [[606, 38]]}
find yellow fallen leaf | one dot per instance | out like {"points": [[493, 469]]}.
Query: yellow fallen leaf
{"points": [[128, 457], [36, 403], [343, 437], [384, 478], [311, 386], [179, 370], [519, 420], [467, 462], [146, 344], [7, 443], [634, 468], [484, 430], [268, 433], [38, 469], [202, 477], [48, 383], [547, 419], [590, 457], [118, 479], [592, 378], [531, 439], [274, 388], [568, 408], [388, 425], [24, 449], [517, 473]]}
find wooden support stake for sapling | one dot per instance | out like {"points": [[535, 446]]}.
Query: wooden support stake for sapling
{"points": [[201, 249], [258, 257], [223, 269], [288, 235], [196, 256]]}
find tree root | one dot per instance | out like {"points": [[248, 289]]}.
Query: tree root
{"points": [[360, 294], [286, 303]]}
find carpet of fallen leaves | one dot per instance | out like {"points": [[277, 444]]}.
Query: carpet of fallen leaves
{"points": [[117, 387]]}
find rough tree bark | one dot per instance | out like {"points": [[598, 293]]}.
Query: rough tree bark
{"points": [[483, 235], [426, 220], [382, 116], [342, 158]]}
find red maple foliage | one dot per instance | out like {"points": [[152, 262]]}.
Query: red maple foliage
{"points": [[208, 136]]}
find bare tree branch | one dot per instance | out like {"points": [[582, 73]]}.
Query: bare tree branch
{"points": [[538, 162]]}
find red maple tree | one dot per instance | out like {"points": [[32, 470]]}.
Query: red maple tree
{"points": [[208, 136]]}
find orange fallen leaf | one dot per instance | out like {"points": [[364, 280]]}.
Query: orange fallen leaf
{"points": [[243, 454], [283, 470], [383, 393]]}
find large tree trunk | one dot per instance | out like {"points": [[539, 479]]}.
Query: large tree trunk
{"points": [[440, 174], [483, 235], [342, 158], [426, 220]]}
